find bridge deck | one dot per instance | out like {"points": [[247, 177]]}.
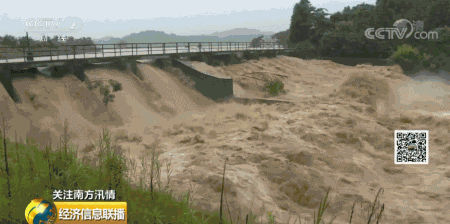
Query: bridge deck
{"points": [[70, 52]]}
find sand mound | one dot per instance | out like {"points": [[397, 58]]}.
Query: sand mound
{"points": [[156, 99], [52, 102], [15, 118], [181, 97], [48, 103]]}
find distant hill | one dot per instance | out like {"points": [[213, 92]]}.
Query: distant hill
{"points": [[107, 40], [152, 36], [241, 32]]}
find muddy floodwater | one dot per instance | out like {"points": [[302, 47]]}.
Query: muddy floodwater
{"points": [[338, 133]]}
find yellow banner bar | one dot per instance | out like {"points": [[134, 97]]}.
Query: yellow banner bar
{"points": [[91, 212]]}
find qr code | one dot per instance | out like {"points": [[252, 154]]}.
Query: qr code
{"points": [[411, 146]]}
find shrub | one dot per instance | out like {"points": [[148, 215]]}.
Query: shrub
{"points": [[117, 86], [107, 95], [275, 87], [426, 60], [304, 50], [406, 54], [93, 85]]}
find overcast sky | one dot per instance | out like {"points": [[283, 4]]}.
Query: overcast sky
{"points": [[119, 18]]}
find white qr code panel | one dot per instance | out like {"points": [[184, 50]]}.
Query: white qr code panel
{"points": [[411, 147]]}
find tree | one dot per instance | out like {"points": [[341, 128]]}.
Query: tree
{"points": [[70, 41], [86, 41], [281, 37], [23, 42], [9, 41], [256, 42], [439, 15], [55, 41], [122, 44], [301, 22], [321, 25], [388, 11]]}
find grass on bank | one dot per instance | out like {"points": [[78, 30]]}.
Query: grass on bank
{"points": [[33, 169]]}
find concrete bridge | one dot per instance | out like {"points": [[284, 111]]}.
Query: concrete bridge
{"points": [[74, 58]]}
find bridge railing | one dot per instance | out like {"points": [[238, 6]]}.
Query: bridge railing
{"points": [[65, 52]]}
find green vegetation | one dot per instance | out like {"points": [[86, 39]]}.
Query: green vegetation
{"points": [[406, 53], [275, 87], [35, 170], [106, 90], [117, 86], [304, 17], [50, 46], [256, 42], [342, 34], [11, 41], [304, 50]]}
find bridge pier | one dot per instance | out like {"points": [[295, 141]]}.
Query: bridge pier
{"points": [[124, 64], [59, 71], [120, 64], [132, 65], [78, 71], [6, 81], [75, 68]]}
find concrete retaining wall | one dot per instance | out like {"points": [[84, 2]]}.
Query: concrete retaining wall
{"points": [[210, 86]]}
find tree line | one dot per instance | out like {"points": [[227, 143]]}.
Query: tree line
{"points": [[342, 33], [55, 41]]}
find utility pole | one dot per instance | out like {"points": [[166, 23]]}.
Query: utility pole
{"points": [[29, 53], [28, 41]]}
